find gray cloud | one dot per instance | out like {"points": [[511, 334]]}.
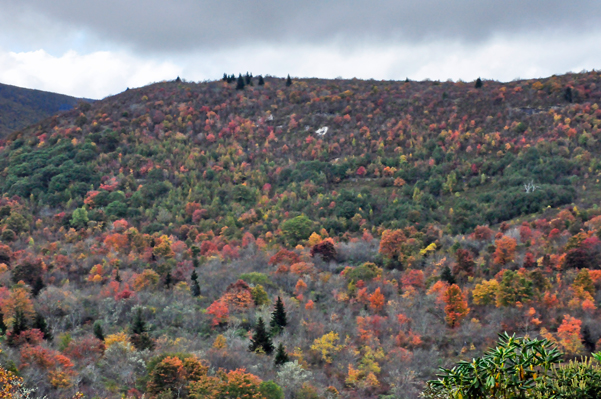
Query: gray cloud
{"points": [[179, 26]]}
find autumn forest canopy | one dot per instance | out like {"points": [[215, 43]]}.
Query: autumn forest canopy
{"points": [[267, 238]]}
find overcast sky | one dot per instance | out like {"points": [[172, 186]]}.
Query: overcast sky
{"points": [[92, 48]]}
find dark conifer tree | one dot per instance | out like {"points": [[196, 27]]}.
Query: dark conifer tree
{"points": [[117, 276], [225, 77], [2, 325], [138, 325], [98, 330], [19, 325], [288, 81], [281, 356], [38, 285], [261, 81], [178, 80], [240, 84], [587, 339], [40, 324], [568, 94], [139, 335], [195, 286], [168, 280], [478, 83], [261, 339], [447, 276], [278, 317], [247, 78]]}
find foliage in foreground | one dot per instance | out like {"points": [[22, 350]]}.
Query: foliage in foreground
{"points": [[518, 368]]}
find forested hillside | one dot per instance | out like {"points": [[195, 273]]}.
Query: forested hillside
{"points": [[21, 107], [310, 238]]}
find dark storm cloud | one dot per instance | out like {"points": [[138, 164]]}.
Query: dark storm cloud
{"points": [[184, 25]]}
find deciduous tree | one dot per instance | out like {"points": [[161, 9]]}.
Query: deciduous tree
{"points": [[456, 308]]}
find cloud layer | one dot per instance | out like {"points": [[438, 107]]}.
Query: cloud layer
{"points": [[183, 25]]}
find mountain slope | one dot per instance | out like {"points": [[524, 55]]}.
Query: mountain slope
{"points": [[159, 225], [20, 107], [395, 153]]}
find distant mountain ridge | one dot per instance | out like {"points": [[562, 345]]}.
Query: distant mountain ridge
{"points": [[20, 107]]}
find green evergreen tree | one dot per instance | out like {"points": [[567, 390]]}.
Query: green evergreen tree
{"points": [[240, 84], [225, 77], [2, 325], [19, 325], [568, 94], [247, 78], [38, 285], [168, 280], [447, 276], [117, 276], [261, 339], [478, 83], [288, 81], [279, 319], [138, 325], [139, 335], [195, 285], [40, 324], [587, 339], [281, 356], [98, 330], [261, 81]]}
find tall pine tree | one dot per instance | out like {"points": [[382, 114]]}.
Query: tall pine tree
{"points": [[195, 286], [98, 330], [261, 339], [139, 334], [261, 81], [168, 280], [38, 286], [278, 317], [240, 84], [288, 81], [2, 325], [19, 325], [281, 356], [40, 324], [447, 276]]}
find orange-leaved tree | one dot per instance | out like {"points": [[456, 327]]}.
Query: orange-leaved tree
{"points": [[570, 336], [219, 311], [235, 384], [377, 300], [505, 250], [456, 308], [390, 244]]}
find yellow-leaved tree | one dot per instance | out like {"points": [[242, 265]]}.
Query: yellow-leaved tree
{"points": [[327, 346]]}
